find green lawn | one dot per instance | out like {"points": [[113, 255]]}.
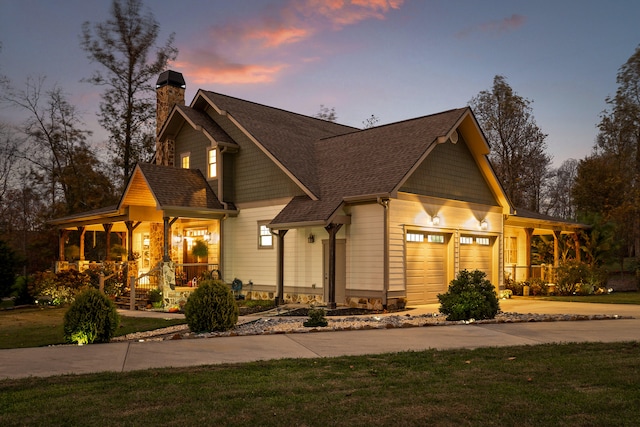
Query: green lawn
{"points": [[565, 385], [612, 298], [41, 326]]}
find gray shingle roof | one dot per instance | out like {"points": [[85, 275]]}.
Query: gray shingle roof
{"points": [[208, 125], [176, 187], [289, 137], [372, 161]]}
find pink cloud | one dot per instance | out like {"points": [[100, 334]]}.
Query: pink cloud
{"points": [[205, 67], [343, 12], [242, 52], [510, 23]]}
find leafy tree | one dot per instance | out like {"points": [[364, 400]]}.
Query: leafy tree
{"points": [[518, 146], [326, 113], [123, 45], [558, 201], [9, 265], [618, 144], [63, 169]]}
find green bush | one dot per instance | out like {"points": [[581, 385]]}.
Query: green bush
{"points": [[92, 317], [211, 307], [59, 288], [21, 291], [316, 318], [470, 296]]}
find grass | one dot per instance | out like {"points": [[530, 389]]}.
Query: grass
{"points": [[571, 384], [42, 326], [612, 298]]}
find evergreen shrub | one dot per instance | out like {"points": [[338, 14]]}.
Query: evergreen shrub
{"points": [[92, 317], [316, 318], [211, 307], [470, 296]]}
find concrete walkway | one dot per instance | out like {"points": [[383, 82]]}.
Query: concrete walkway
{"points": [[129, 356]]}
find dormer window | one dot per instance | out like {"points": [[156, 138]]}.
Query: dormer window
{"points": [[184, 160], [212, 162]]}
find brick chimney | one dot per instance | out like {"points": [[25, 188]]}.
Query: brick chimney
{"points": [[170, 89]]}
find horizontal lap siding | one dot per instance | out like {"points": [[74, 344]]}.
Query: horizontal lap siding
{"points": [[242, 258], [365, 248]]}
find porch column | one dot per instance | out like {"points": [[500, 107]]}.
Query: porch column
{"points": [[280, 272], [332, 229], [130, 228], [107, 230], [556, 248], [167, 237], [576, 241], [529, 234], [62, 237], [82, 231]]}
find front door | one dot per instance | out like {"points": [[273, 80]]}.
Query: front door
{"points": [[341, 270]]}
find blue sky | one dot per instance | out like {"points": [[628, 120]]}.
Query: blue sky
{"points": [[396, 59]]}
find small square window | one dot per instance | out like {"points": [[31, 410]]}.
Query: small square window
{"points": [[483, 241], [265, 238]]}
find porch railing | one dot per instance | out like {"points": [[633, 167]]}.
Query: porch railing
{"points": [[186, 273], [546, 272]]}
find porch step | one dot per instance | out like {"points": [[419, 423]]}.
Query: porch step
{"points": [[124, 301]]}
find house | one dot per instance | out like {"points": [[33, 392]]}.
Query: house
{"points": [[305, 210]]}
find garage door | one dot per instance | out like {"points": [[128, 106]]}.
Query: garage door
{"points": [[476, 253], [426, 266]]}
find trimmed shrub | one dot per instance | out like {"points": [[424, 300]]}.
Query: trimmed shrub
{"points": [[92, 317], [211, 307], [470, 296], [316, 318]]}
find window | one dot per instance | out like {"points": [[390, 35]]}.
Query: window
{"points": [[265, 238], [435, 238], [212, 163], [415, 237], [184, 160], [466, 240], [511, 250], [482, 241]]}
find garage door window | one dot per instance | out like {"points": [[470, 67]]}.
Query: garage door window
{"points": [[482, 241], [465, 240], [415, 237], [435, 238]]}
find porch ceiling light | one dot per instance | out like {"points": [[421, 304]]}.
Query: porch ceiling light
{"points": [[484, 225]]}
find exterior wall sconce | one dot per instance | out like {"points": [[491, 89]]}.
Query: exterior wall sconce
{"points": [[311, 238], [435, 220], [207, 237], [178, 239], [484, 225]]}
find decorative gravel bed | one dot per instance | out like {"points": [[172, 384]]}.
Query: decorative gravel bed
{"points": [[288, 324]]}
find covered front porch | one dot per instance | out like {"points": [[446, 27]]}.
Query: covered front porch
{"points": [[164, 234], [520, 232]]}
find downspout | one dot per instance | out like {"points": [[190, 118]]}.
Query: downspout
{"points": [[385, 263], [225, 205]]}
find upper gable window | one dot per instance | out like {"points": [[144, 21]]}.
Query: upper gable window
{"points": [[212, 163], [185, 160]]}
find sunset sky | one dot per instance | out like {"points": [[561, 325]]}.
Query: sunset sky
{"points": [[396, 59]]}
